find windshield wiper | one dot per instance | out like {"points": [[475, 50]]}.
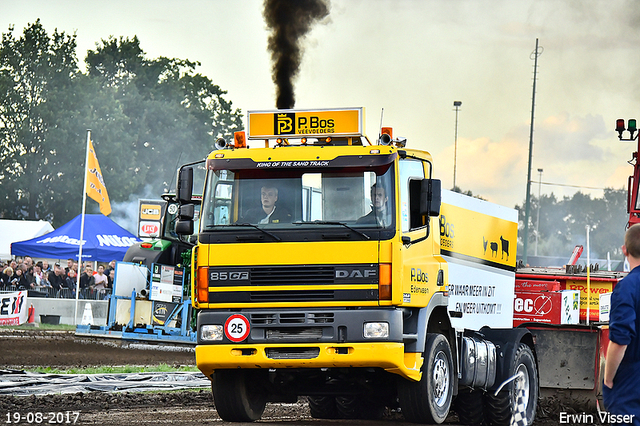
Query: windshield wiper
{"points": [[251, 225], [325, 222]]}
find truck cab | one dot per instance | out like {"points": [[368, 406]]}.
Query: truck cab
{"points": [[322, 269]]}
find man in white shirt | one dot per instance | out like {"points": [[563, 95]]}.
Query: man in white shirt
{"points": [[100, 279], [270, 212]]}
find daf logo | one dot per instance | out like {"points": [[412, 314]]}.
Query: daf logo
{"points": [[356, 273]]}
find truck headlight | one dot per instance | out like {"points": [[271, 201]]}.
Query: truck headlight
{"points": [[376, 330], [211, 332]]}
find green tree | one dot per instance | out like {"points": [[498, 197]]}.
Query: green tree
{"points": [[610, 221], [467, 192], [146, 115], [37, 72], [173, 114], [563, 224]]}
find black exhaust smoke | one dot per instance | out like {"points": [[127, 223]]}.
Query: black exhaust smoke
{"points": [[289, 21]]}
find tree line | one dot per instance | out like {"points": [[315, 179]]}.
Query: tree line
{"points": [[563, 222], [146, 116], [559, 224]]}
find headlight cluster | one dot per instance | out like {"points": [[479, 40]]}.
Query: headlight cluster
{"points": [[376, 330], [211, 332]]}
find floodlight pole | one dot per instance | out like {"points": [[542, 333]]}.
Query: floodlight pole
{"points": [[457, 105], [525, 237], [538, 218]]}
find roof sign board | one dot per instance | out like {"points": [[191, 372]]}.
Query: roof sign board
{"points": [[289, 123]]}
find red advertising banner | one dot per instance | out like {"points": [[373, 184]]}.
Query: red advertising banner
{"points": [[13, 308]]}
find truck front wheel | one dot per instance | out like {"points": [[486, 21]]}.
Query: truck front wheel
{"points": [[429, 400], [239, 395], [502, 407]]}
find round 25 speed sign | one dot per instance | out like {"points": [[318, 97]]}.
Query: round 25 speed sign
{"points": [[236, 328]]}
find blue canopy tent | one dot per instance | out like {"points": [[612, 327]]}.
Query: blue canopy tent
{"points": [[104, 239]]}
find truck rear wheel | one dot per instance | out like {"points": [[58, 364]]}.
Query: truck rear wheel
{"points": [[429, 400], [345, 407], [323, 407], [500, 408], [359, 407], [239, 395], [469, 406]]}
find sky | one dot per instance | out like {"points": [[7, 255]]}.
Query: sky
{"points": [[412, 59]]}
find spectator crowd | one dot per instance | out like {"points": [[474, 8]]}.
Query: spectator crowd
{"points": [[46, 280]]}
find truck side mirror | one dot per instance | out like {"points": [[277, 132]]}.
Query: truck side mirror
{"points": [[187, 212], [184, 227], [424, 200], [184, 187], [184, 190], [430, 197], [184, 224]]}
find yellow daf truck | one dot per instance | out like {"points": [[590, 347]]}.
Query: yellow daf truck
{"points": [[336, 268]]}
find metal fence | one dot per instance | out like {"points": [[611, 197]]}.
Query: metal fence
{"points": [[63, 293]]}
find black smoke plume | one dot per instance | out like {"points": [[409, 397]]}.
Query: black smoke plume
{"points": [[289, 21]]}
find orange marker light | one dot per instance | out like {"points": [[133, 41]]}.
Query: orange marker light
{"points": [[384, 283], [203, 285]]}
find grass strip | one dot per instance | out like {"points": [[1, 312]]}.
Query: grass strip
{"points": [[124, 369], [41, 326]]}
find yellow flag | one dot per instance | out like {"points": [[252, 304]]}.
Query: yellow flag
{"points": [[95, 183]]}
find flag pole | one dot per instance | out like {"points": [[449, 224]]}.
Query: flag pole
{"points": [[84, 206]]}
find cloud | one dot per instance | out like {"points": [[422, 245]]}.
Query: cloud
{"points": [[567, 138], [495, 170], [619, 178], [575, 153]]}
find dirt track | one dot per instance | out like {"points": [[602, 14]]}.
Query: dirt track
{"points": [[35, 348], [25, 350]]}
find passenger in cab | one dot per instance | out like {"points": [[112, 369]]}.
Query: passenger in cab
{"points": [[380, 213]]}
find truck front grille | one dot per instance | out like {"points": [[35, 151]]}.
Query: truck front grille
{"points": [[292, 275], [320, 318], [255, 296], [292, 353], [280, 334], [306, 283], [291, 295], [266, 318]]}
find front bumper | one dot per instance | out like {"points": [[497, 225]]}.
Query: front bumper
{"points": [[307, 338], [388, 356]]}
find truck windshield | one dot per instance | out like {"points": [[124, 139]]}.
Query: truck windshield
{"points": [[360, 198]]}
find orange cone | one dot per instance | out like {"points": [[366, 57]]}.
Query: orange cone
{"points": [[32, 315]]}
